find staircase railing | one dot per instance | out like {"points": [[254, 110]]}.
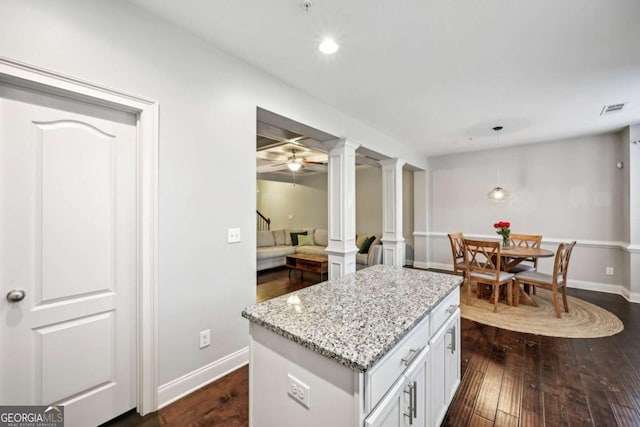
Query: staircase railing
{"points": [[264, 223]]}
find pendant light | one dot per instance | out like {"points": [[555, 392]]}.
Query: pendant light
{"points": [[498, 194]]}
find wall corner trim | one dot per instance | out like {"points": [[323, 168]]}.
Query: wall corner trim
{"points": [[190, 382]]}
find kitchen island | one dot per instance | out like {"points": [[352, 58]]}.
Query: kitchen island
{"points": [[379, 347]]}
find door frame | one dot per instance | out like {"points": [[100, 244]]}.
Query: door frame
{"points": [[146, 111]]}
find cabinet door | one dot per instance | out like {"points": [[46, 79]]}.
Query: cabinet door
{"points": [[452, 358], [416, 391], [390, 411], [436, 393]]}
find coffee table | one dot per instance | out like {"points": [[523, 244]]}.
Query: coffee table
{"points": [[307, 262]]}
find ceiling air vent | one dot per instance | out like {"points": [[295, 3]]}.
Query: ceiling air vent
{"points": [[613, 108]]}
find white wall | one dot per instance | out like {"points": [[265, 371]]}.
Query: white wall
{"points": [[368, 200], [565, 190], [208, 103], [306, 202]]}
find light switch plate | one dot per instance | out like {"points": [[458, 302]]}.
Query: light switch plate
{"points": [[233, 235]]}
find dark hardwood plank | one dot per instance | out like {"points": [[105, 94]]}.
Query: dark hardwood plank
{"points": [[277, 281], [468, 390], [478, 421], [510, 400], [626, 416], [505, 420], [489, 393]]}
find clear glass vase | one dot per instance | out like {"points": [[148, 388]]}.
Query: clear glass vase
{"points": [[506, 242]]}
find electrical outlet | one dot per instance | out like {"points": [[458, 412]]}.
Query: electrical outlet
{"points": [[233, 235], [298, 390], [609, 271], [205, 338]]}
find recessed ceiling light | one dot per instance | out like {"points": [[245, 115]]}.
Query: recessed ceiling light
{"points": [[328, 46]]}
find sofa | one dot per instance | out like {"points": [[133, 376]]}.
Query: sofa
{"points": [[273, 246]]}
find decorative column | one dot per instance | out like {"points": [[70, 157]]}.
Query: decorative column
{"points": [[392, 240], [631, 141], [342, 209], [420, 219]]}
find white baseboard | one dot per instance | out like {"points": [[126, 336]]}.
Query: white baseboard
{"points": [[180, 387], [598, 287], [630, 296], [440, 266], [419, 264]]}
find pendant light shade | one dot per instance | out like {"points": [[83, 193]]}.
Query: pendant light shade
{"points": [[498, 194]]}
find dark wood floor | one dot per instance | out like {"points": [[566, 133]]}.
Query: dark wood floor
{"points": [[277, 281], [508, 378]]}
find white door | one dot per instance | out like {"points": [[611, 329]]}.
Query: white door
{"points": [[68, 240]]}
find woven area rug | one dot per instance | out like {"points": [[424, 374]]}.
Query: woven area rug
{"points": [[584, 319]]}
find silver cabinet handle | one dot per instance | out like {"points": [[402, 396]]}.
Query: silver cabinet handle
{"points": [[452, 346], [452, 308], [413, 353], [15, 295], [415, 399], [412, 402]]}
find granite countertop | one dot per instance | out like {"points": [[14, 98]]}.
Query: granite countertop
{"points": [[356, 319]]}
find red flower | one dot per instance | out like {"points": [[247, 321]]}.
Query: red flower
{"points": [[502, 224]]}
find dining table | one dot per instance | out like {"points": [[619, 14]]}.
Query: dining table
{"points": [[513, 256]]}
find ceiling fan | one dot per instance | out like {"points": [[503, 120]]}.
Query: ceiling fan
{"points": [[295, 163]]}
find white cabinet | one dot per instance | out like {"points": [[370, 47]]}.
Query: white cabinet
{"points": [[410, 386], [391, 409], [406, 404], [445, 367], [452, 358], [416, 388]]}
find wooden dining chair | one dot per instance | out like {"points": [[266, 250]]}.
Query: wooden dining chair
{"points": [[457, 251], [525, 241], [555, 281], [483, 267]]}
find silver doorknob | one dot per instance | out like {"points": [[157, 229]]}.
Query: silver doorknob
{"points": [[15, 295]]}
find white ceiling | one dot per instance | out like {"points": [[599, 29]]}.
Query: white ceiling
{"points": [[440, 73]]}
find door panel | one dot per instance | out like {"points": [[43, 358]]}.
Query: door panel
{"points": [[70, 367], [74, 193], [68, 225]]}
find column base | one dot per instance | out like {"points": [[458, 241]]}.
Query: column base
{"points": [[341, 262], [393, 252]]}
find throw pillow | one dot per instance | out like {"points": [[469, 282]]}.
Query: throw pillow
{"points": [[367, 244], [305, 240], [294, 237], [360, 239]]}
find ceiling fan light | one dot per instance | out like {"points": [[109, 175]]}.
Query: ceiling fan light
{"points": [[294, 165], [498, 194]]}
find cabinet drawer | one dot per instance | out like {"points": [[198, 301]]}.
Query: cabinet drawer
{"points": [[442, 311], [383, 374]]}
